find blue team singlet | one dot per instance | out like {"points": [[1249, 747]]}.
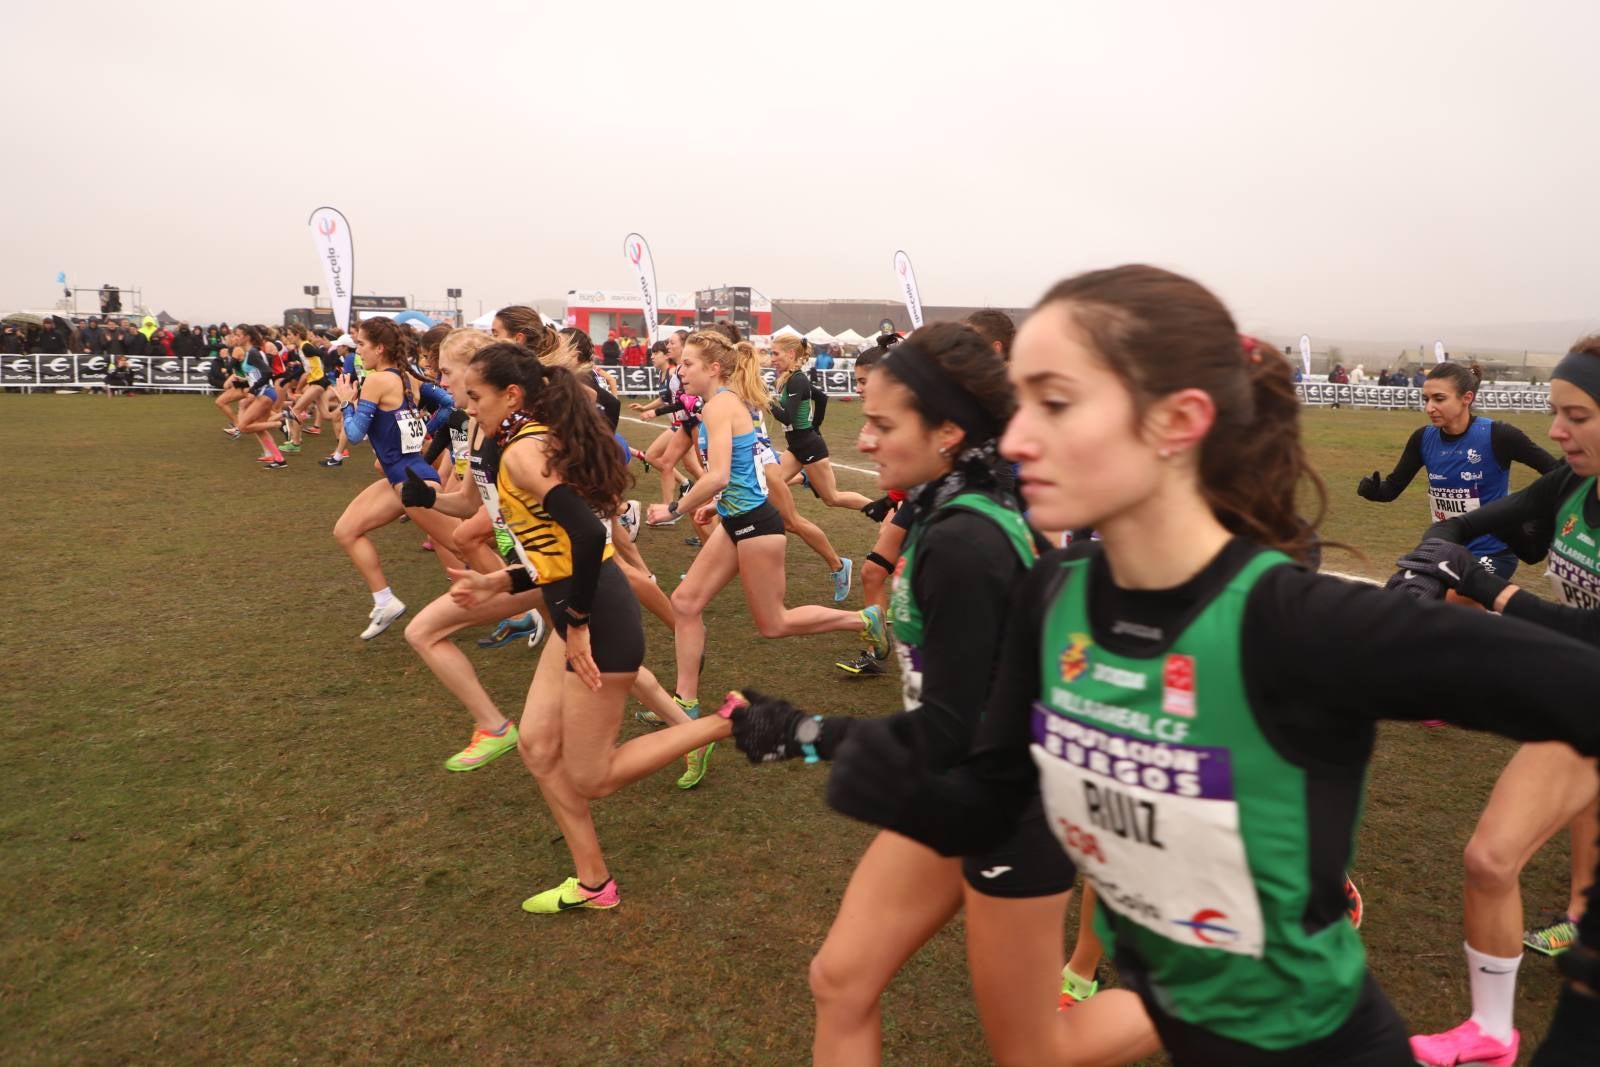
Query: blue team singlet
{"points": [[747, 480], [397, 438], [1463, 475]]}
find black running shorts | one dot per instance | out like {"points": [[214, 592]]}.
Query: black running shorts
{"points": [[807, 445], [616, 632], [1029, 863], [759, 521]]}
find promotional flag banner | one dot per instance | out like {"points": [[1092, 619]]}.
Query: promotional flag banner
{"points": [[637, 249], [330, 232], [1305, 353], [907, 280], [1438, 351]]}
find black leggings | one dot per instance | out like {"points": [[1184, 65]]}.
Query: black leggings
{"points": [[616, 632]]}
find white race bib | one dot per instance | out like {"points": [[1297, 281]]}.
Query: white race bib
{"points": [[1448, 502], [1154, 826], [413, 431]]}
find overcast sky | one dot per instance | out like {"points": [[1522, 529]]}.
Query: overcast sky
{"points": [[1364, 168]]}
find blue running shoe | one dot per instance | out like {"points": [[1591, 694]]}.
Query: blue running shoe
{"points": [[509, 630], [841, 579]]}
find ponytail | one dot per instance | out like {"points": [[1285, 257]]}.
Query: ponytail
{"points": [[746, 379]]}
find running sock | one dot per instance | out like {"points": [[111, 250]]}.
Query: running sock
{"points": [[381, 598], [1494, 991], [502, 731]]}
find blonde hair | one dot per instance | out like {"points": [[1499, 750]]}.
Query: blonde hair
{"points": [[798, 347], [740, 363], [463, 344]]}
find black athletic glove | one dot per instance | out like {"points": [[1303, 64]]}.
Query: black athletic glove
{"points": [[416, 493], [1369, 489], [764, 728], [1416, 585], [1574, 1032], [879, 509], [877, 770], [1456, 567]]}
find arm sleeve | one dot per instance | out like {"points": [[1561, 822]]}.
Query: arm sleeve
{"points": [[1510, 445], [1533, 503], [1580, 624], [438, 443], [588, 536], [1410, 463], [440, 401], [976, 805], [610, 407], [358, 420], [1498, 674]]}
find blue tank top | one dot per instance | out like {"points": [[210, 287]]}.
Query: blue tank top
{"points": [[747, 480], [1463, 475], [397, 435]]}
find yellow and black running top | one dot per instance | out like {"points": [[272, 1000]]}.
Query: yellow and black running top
{"points": [[546, 544]]}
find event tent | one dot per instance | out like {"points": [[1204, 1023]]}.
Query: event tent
{"points": [[819, 336], [787, 331], [850, 337]]}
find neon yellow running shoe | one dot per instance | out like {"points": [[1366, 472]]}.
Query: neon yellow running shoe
{"points": [[570, 896], [483, 748], [874, 632], [699, 762], [1554, 937], [1075, 990]]}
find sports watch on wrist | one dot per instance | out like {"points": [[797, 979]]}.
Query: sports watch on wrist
{"points": [[807, 733]]}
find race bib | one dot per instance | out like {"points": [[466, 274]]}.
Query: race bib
{"points": [[1447, 502], [1154, 826], [413, 431], [1575, 585]]}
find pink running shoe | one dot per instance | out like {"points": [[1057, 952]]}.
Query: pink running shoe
{"points": [[1465, 1046], [1434, 724]]}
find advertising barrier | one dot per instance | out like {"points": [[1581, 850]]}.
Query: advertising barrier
{"points": [[1404, 397], [81, 371]]}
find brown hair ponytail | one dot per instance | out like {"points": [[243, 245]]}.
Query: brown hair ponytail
{"points": [[1161, 332]]}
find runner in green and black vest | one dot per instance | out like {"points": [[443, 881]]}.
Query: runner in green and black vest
{"points": [[799, 407], [1159, 690], [934, 409], [1545, 786]]}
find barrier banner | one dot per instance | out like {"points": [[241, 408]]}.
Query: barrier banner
{"points": [[163, 370], [1391, 397], [82, 370], [330, 232], [644, 381], [19, 370], [637, 381]]}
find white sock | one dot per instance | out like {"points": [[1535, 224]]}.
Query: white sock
{"points": [[381, 598], [1494, 991]]}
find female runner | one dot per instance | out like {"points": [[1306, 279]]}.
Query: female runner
{"points": [[558, 471], [747, 542], [1468, 459], [934, 412], [797, 411], [1154, 690], [255, 411], [387, 414], [1545, 786], [675, 444]]}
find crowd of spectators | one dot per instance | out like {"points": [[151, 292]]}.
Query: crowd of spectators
{"points": [[111, 336]]}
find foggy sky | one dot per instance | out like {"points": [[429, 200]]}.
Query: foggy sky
{"points": [[1359, 168]]}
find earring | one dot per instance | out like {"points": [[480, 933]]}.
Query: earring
{"points": [[944, 453], [1164, 453]]}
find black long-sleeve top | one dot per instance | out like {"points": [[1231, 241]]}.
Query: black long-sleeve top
{"points": [[1509, 443], [1536, 506], [1323, 720]]}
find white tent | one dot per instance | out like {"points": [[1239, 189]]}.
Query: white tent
{"points": [[819, 336], [851, 338], [484, 322], [787, 331]]}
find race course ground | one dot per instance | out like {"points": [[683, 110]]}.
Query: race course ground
{"points": [[227, 835]]}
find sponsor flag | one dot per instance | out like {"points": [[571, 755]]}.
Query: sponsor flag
{"points": [[637, 249], [906, 278], [1305, 353], [61, 277], [330, 232], [1438, 351]]}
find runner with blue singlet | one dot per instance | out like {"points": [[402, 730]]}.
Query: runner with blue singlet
{"points": [[1468, 459]]}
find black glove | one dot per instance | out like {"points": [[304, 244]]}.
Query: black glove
{"points": [[879, 509], [416, 493], [1456, 567], [1369, 487], [877, 770], [1415, 585], [1574, 1033], [763, 728]]}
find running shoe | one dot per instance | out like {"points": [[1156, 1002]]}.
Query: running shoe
{"points": [[334, 460], [274, 465], [1554, 936], [693, 541], [427, 546], [231, 431], [841, 579], [508, 630], [699, 761], [874, 632], [381, 617], [690, 708], [671, 521], [864, 664], [1352, 902], [1075, 990], [315, 431], [805, 480], [1434, 724], [649, 718], [1464, 1045], [289, 448], [536, 634], [483, 748], [570, 896], [629, 519], [684, 485]]}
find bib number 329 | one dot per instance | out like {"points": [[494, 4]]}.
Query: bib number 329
{"points": [[412, 430]]}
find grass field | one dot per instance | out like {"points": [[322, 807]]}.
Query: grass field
{"points": [[227, 836]]}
